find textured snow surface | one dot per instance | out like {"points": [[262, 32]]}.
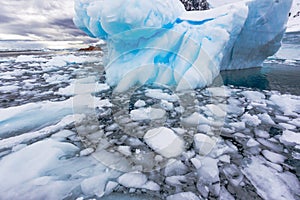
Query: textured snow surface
{"points": [[179, 48]]}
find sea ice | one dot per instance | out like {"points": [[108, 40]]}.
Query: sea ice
{"points": [[251, 120], [183, 196], [266, 181], [273, 157], [147, 114], [203, 144], [31, 162], [61, 61], [290, 138], [265, 118], [165, 142], [208, 176], [288, 104], [15, 120], [9, 88], [95, 185], [254, 96], [175, 168], [179, 48], [133, 179], [29, 58]]}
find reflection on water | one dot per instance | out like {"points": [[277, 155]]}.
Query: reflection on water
{"points": [[280, 72], [272, 76], [246, 78]]}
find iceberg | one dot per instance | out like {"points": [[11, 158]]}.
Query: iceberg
{"points": [[158, 42]]}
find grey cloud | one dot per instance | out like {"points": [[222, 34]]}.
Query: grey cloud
{"points": [[5, 19], [64, 23], [21, 17]]}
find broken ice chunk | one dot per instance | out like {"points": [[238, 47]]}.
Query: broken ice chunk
{"points": [[150, 185], [133, 179], [174, 168], [140, 103], [273, 157], [203, 144], [183, 196], [252, 143], [208, 176], [164, 141], [290, 138], [254, 96], [147, 114], [266, 181], [251, 120]]}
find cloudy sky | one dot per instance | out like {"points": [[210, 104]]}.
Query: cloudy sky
{"points": [[38, 20]]}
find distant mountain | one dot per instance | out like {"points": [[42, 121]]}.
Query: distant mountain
{"points": [[191, 5]]}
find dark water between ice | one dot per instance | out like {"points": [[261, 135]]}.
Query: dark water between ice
{"points": [[280, 72]]}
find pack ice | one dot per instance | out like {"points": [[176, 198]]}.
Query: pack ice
{"points": [[159, 42]]}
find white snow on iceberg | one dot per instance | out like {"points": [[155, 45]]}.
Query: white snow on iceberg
{"points": [[159, 42]]}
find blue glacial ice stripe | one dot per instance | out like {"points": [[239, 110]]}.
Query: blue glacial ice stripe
{"points": [[157, 41]]}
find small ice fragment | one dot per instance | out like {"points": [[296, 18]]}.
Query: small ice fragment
{"points": [[63, 134], [287, 126], [110, 186], [238, 125], [175, 168], [252, 143], [166, 105], [164, 141], [147, 114], [125, 150], [9, 88], [254, 96], [203, 144], [133, 179], [216, 110], [150, 185], [139, 104], [251, 120], [273, 157], [290, 138], [225, 195], [225, 158], [196, 162], [288, 104], [29, 58], [218, 91], [208, 177], [261, 133], [183, 196], [265, 118], [196, 119], [233, 174], [86, 152], [176, 180], [95, 185], [204, 128], [159, 94]]}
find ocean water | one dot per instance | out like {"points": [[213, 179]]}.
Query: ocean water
{"points": [[280, 72], [56, 110]]}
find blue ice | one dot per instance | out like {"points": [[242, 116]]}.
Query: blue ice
{"points": [[159, 42]]}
